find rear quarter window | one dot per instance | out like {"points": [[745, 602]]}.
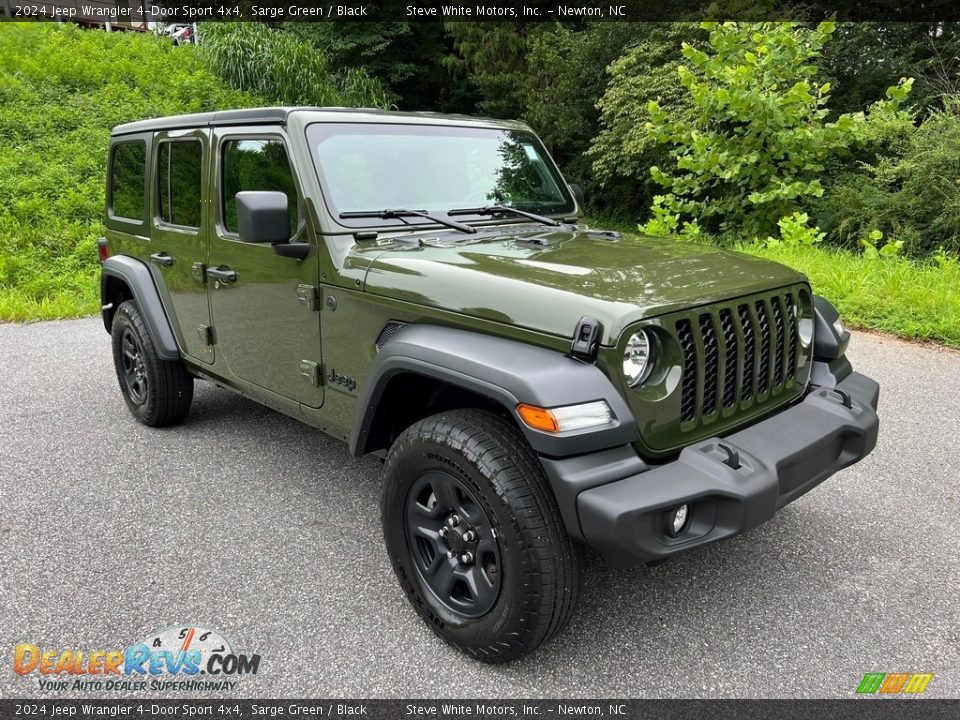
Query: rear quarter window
{"points": [[179, 180], [128, 171]]}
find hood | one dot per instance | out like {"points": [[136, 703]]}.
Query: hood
{"points": [[547, 280]]}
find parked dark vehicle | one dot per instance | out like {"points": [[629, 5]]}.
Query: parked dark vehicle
{"points": [[420, 286]]}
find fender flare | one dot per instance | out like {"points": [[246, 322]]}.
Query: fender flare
{"points": [[506, 371], [136, 276]]}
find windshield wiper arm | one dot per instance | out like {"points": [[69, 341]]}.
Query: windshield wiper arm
{"points": [[400, 214], [497, 209]]}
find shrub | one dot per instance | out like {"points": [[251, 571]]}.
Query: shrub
{"points": [[911, 193], [754, 145]]}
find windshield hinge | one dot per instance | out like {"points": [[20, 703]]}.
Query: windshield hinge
{"points": [[586, 339]]}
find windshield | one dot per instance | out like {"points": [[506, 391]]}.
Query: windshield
{"points": [[378, 166]]}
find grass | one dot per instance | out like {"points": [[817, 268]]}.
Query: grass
{"points": [[61, 90], [916, 301]]}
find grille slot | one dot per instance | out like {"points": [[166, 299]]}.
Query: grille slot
{"points": [[778, 355], [749, 353], [688, 397], [711, 358], [794, 336], [764, 376], [731, 348], [737, 355], [388, 331]]}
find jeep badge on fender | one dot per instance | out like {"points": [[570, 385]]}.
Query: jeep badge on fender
{"points": [[421, 286]]}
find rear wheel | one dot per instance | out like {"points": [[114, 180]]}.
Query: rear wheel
{"points": [[158, 392], [475, 536]]}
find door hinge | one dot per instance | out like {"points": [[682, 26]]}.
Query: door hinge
{"points": [[206, 335], [199, 272], [307, 296], [311, 371]]}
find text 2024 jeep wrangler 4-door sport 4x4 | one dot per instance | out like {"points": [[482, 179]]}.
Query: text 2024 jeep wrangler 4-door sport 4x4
{"points": [[419, 286]]}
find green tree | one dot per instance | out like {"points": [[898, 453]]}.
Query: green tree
{"points": [[623, 149], [566, 77], [755, 143], [863, 59], [492, 56], [407, 57]]}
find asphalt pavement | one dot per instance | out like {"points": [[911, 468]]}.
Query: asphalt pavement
{"points": [[249, 522]]}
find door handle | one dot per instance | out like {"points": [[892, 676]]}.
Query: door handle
{"points": [[162, 258], [224, 275]]}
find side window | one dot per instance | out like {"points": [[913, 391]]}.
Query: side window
{"points": [[256, 165], [128, 170], [179, 176]]}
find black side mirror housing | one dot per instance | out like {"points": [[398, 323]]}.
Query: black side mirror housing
{"points": [[578, 194], [263, 216]]}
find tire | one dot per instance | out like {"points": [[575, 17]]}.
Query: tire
{"points": [[525, 570], [158, 392]]}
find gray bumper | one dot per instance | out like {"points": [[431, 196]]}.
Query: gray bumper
{"points": [[779, 460]]}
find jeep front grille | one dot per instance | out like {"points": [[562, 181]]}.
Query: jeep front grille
{"points": [[743, 353]]}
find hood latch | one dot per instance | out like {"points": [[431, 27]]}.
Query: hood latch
{"points": [[586, 339]]}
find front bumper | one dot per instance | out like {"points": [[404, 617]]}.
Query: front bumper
{"points": [[734, 483]]}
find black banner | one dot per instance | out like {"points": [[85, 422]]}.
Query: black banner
{"points": [[143, 12], [873, 709]]}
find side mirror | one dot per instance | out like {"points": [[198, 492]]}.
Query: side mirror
{"points": [[263, 216], [578, 194]]}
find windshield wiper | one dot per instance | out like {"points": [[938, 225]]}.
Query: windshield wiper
{"points": [[498, 209], [400, 214]]}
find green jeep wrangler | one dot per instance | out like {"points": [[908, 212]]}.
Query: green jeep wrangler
{"points": [[419, 286]]}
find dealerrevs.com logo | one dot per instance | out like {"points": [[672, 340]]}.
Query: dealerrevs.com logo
{"points": [[177, 658]]}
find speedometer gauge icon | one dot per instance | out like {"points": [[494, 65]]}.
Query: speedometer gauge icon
{"points": [[190, 638]]}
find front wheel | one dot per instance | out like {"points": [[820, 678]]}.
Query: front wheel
{"points": [[475, 536]]}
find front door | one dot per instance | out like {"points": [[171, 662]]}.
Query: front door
{"points": [[178, 239], [266, 323]]}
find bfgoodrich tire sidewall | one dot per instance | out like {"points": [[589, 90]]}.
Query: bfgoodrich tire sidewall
{"points": [[409, 461]]}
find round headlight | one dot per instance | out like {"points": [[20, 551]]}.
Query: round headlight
{"points": [[804, 320], [638, 358]]}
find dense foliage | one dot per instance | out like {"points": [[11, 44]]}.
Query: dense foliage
{"points": [[61, 90], [752, 148], [758, 131], [284, 68], [910, 193]]}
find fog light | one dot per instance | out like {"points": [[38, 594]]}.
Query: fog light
{"points": [[677, 519]]}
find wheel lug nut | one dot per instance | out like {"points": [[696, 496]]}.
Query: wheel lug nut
{"points": [[453, 521], [469, 536], [443, 532], [451, 554], [466, 558]]}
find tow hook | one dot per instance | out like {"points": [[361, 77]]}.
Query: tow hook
{"points": [[844, 398]]}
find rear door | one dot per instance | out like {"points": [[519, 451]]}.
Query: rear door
{"points": [[178, 236], [266, 321]]}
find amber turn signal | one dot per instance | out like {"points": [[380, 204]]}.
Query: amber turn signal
{"points": [[538, 418]]}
